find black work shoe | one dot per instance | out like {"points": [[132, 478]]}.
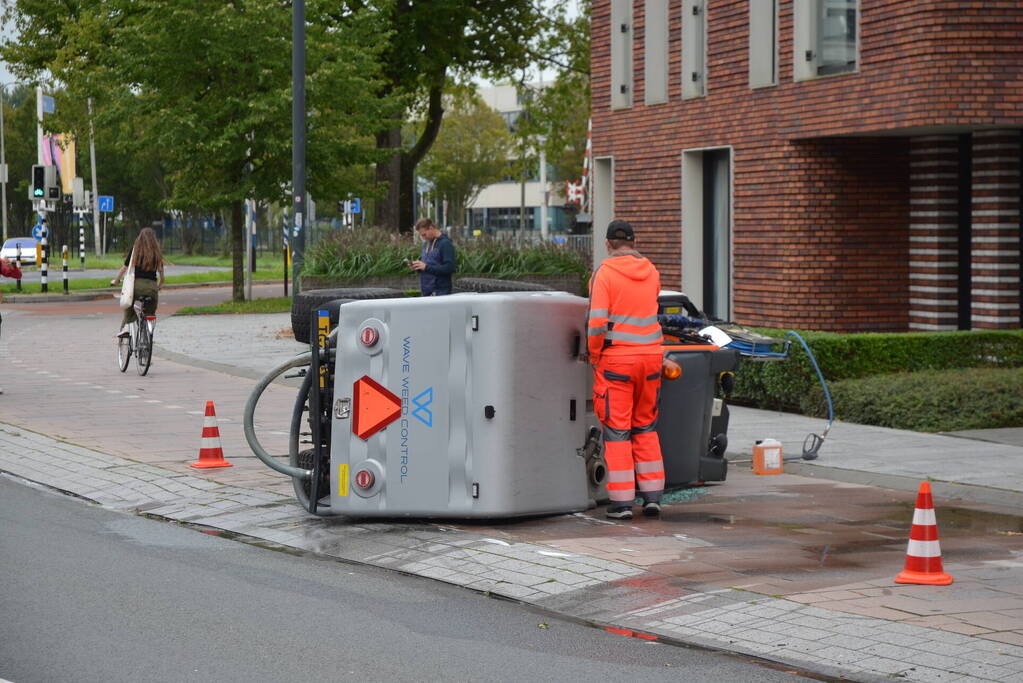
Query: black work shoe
{"points": [[651, 509], [619, 513]]}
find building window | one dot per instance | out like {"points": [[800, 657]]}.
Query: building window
{"points": [[763, 43], [621, 54], [655, 52], [826, 37], [694, 48], [837, 36]]}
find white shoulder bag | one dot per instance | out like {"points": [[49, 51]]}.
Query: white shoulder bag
{"points": [[128, 285]]}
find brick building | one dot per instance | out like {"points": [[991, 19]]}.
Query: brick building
{"points": [[823, 164]]}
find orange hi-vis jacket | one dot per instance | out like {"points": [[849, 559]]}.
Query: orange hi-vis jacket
{"points": [[623, 308]]}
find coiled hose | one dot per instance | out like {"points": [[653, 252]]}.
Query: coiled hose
{"points": [[813, 442], [297, 473]]}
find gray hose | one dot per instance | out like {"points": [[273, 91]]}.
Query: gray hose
{"points": [[250, 412]]}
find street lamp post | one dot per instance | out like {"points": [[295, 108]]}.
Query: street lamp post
{"points": [[298, 138]]}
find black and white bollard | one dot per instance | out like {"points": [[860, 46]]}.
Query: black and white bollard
{"points": [[18, 281], [81, 240], [63, 262], [43, 282]]}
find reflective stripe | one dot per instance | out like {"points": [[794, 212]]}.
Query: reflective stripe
{"points": [[598, 313], [612, 434], [652, 338], [632, 320], [645, 429], [656, 467], [924, 517], [596, 331], [620, 476], [653, 485], [924, 549]]}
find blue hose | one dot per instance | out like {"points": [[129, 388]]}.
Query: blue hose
{"points": [[813, 442]]}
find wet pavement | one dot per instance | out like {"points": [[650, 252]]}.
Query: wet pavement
{"points": [[795, 569]]}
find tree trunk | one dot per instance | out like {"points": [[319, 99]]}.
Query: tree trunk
{"points": [[190, 232], [387, 209], [238, 250], [395, 212]]}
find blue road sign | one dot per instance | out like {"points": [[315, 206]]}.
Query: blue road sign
{"points": [[106, 203], [49, 105], [37, 231], [356, 205]]}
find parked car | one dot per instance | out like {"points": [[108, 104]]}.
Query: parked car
{"points": [[28, 249]]}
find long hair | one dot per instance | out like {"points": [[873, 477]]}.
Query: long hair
{"points": [[147, 251]]}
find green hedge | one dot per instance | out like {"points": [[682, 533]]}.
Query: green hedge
{"points": [[792, 384], [933, 400], [356, 254]]}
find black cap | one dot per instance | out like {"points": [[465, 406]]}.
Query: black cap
{"points": [[620, 230]]}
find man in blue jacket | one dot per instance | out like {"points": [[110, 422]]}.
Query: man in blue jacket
{"points": [[436, 260]]}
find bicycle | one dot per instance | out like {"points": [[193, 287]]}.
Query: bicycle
{"points": [[139, 340]]}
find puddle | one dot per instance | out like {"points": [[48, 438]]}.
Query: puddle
{"points": [[965, 519]]}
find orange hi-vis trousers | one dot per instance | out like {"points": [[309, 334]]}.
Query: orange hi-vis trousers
{"points": [[625, 390]]}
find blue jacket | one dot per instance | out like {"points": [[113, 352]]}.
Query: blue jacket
{"points": [[439, 257]]}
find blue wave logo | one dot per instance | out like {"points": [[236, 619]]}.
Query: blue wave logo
{"points": [[422, 403]]}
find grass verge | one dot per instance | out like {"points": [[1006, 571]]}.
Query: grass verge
{"points": [[57, 284], [280, 304]]}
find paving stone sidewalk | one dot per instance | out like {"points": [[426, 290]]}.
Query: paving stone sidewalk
{"points": [[741, 570], [606, 593]]}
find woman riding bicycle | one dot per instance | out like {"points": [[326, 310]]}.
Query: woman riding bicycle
{"points": [[148, 261]]}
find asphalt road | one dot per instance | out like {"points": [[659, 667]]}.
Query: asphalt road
{"points": [[89, 594]]}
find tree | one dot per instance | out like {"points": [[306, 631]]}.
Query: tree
{"points": [[560, 112], [208, 86], [470, 152], [428, 42], [20, 152]]}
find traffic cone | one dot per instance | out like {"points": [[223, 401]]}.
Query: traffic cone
{"points": [[923, 556], [210, 452]]}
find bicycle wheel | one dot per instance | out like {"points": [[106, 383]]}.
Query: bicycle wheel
{"points": [[123, 352], [144, 352]]}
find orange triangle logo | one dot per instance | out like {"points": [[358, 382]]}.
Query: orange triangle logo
{"points": [[374, 406]]}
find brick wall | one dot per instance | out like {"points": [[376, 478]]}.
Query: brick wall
{"points": [[821, 222], [934, 233], [996, 230]]}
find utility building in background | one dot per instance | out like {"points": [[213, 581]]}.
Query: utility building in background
{"points": [[845, 165], [497, 207]]}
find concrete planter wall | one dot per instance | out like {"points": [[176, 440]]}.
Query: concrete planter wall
{"points": [[568, 282]]}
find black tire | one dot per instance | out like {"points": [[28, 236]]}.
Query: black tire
{"points": [[486, 284], [305, 303], [144, 352], [123, 352]]}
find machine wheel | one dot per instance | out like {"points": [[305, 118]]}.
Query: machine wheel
{"points": [[305, 303], [304, 489], [486, 284]]}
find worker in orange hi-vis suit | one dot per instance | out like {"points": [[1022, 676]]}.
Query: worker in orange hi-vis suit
{"points": [[624, 340]]}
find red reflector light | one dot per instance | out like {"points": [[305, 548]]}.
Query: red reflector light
{"points": [[364, 479], [369, 336]]}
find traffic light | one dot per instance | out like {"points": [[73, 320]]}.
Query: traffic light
{"points": [[45, 184], [38, 182], [53, 189]]}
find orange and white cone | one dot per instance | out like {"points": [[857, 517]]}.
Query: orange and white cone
{"points": [[210, 452], [923, 556]]}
